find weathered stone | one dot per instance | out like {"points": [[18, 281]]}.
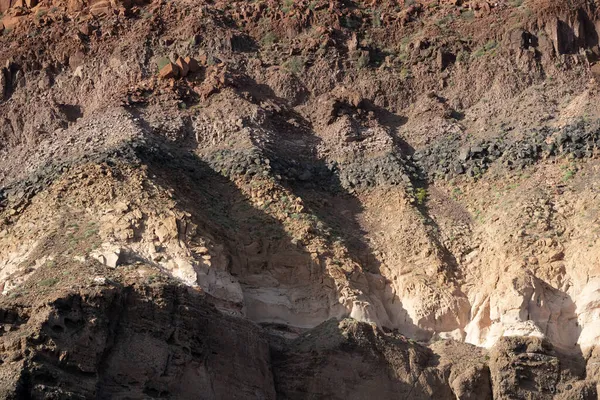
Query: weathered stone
{"points": [[10, 22], [184, 68], [76, 60], [102, 7], [192, 64], [86, 29], [169, 71], [444, 58], [108, 255], [476, 150], [4, 5]]}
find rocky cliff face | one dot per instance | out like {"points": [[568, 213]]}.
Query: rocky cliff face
{"points": [[299, 199]]}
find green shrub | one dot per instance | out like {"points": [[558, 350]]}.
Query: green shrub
{"points": [[295, 65], [269, 39], [376, 18], [468, 15], [421, 195], [490, 45], [488, 49], [568, 175], [48, 282], [405, 74]]}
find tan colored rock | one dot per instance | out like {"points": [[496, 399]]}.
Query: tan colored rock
{"points": [[76, 60], [75, 6], [108, 255], [10, 22], [101, 8]]}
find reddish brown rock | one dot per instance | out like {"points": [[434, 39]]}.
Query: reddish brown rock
{"points": [[85, 29], [4, 5], [184, 68], [169, 71], [192, 64], [10, 22]]}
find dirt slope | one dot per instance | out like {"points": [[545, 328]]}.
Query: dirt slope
{"points": [[299, 199]]}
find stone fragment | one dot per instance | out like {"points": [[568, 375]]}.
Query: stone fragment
{"points": [[464, 154], [184, 68], [101, 8], [108, 255], [476, 150], [444, 59], [169, 71], [86, 29], [76, 60], [100, 280], [192, 64]]}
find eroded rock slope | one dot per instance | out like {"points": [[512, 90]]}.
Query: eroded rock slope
{"points": [[326, 199]]}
